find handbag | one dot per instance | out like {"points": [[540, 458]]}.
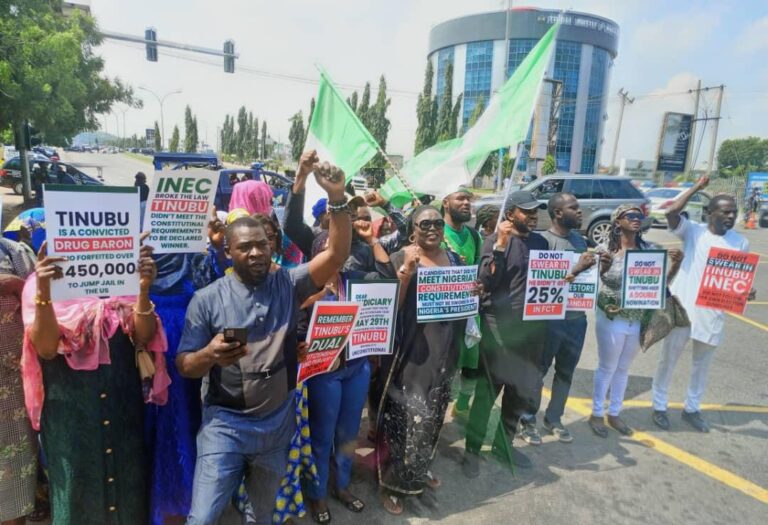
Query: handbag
{"points": [[662, 321]]}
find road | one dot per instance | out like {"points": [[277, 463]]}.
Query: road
{"points": [[654, 477], [118, 169]]}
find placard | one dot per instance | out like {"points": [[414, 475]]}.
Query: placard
{"points": [[178, 210], [374, 331], [329, 329], [97, 229], [546, 287], [582, 292], [445, 293], [644, 283], [727, 280]]}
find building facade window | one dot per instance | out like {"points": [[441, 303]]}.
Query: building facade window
{"points": [[518, 50], [444, 59], [601, 61], [567, 64], [477, 76]]}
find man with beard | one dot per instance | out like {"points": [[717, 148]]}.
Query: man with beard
{"points": [[511, 349], [706, 330], [565, 337], [248, 408], [465, 242]]}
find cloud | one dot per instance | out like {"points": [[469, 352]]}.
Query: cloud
{"points": [[754, 38], [676, 34]]}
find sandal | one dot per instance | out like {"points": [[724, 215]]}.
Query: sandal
{"points": [[354, 504], [322, 517], [392, 503], [619, 426], [433, 481], [597, 424]]}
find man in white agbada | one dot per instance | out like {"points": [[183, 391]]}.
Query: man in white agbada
{"points": [[706, 330]]}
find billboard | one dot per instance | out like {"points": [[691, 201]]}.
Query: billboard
{"points": [[637, 169], [759, 179], [674, 142], [150, 137]]}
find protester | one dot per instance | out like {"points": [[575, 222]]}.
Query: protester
{"points": [[486, 218], [383, 226], [254, 196], [464, 241], [248, 408], [171, 429], [511, 349], [274, 236], [618, 329], [87, 374], [336, 401], [320, 213], [38, 179], [418, 388], [565, 338], [140, 181], [707, 325], [18, 450]]}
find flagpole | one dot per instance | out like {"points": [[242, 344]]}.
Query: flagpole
{"points": [[397, 172]]}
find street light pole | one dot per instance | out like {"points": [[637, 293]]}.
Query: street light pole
{"points": [[160, 101]]}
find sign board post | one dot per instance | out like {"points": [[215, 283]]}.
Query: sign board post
{"points": [[727, 280], [644, 284], [178, 210], [97, 229], [444, 293]]}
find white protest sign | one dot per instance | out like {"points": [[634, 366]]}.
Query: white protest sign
{"points": [[100, 240], [644, 283], [178, 210], [444, 293], [374, 330], [582, 292], [546, 287]]}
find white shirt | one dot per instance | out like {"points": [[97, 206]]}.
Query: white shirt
{"points": [[706, 323]]}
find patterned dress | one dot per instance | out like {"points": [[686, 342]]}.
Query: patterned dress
{"points": [[18, 452], [416, 394]]}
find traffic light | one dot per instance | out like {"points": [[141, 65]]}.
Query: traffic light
{"points": [[150, 35], [229, 56], [27, 137]]}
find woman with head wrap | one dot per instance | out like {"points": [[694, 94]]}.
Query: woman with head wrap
{"points": [[418, 385], [254, 196]]}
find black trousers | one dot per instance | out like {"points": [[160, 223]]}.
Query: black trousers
{"points": [[511, 352]]}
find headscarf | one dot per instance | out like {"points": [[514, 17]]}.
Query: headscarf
{"points": [[85, 328], [255, 196], [235, 214], [485, 213]]}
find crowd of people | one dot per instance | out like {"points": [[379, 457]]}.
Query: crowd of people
{"points": [[147, 413]]}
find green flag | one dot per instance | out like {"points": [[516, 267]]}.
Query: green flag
{"points": [[447, 165], [336, 133]]}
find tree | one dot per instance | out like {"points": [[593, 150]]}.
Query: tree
{"points": [[426, 114], [309, 119], [189, 137], [174, 145], [738, 156], [296, 135], [363, 108], [380, 124], [549, 167], [49, 72], [448, 111], [476, 112], [352, 101], [158, 138], [264, 153]]}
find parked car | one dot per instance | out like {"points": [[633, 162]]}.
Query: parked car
{"points": [[598, 196], [662, 198], [56, 173], [48, 152]]}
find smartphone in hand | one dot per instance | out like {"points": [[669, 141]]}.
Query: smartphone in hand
{"points": [[239, 335]]}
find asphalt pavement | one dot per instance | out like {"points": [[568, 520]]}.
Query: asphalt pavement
{"points": [[655, 477]]}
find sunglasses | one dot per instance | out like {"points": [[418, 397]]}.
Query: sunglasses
{"points": [[633, 216], [427, 224]]}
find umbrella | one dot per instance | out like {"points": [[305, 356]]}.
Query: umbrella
{"points": [[33, 220]]}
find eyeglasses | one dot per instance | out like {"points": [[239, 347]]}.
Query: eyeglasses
{"points": [[427, 224], [633, 216]]}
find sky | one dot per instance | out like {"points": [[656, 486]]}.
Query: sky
{"points": [[664, 49]]}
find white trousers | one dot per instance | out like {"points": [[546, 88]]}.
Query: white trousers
{"points": [[673, 347], [618, 342]]}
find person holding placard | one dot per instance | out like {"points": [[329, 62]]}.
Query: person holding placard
{"points": [[565, 337], [511, 349], [618, 329], [87, 370], [248, 409], [418, 385], [707, 324]]}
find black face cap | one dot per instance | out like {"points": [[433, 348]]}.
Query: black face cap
{"points": [[523, 200]]}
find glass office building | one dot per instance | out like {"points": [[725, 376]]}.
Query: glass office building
{"points": [[586, 48]]}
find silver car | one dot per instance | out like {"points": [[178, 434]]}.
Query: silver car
{"points": [[598, 196]]}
